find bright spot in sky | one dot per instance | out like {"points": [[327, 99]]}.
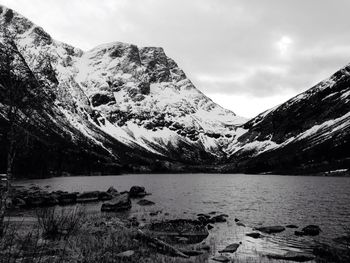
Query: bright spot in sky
{"points": [[283, 44]]}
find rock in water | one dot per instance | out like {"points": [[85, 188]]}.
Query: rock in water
{"points": [[221, 259], [204, 247], [298, 233], [145, 202], [240, 224], [345, 240], [253, 235], [209, 227], [230, 248], [292, 256], [203, 215], [311, 230], [271, 229], [219, 218], [137, 191], [291, 226], [119, 203]]}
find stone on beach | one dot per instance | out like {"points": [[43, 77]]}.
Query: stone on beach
{"points": [[111, 190], [118, 203], [67, 198], [104, 196], [193, 230], [91, 196]]}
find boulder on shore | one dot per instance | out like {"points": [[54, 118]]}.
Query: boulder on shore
{"points": [[91, 196], [67, 198], [171, 230], [104, 196], [117, 204], [111, 190], [35, 201], [137, 192]]}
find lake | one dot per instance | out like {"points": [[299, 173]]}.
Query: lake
{"points": [[254, 199]]}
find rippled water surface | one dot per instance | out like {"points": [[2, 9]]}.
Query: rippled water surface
{"points": [[254, 199]]}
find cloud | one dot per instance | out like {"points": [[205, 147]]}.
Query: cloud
{"points": [[284, 44], [252, 49]]}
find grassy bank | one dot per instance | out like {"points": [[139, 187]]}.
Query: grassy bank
{"points": [[74, 236]]}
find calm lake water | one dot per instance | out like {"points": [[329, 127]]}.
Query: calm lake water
{"points": [[255, 199]]}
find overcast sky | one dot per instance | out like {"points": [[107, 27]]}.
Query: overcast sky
{"points": [[247, 55]]}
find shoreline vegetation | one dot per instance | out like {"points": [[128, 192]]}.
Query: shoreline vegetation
{"points": [[60, 229]]}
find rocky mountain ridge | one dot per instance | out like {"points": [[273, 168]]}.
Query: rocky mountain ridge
{"points": [[120, 107]]}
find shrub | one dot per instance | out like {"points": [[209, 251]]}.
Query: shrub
{"points": [[60, 224]]}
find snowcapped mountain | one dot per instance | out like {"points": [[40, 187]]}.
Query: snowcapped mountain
{"points": [[309, 133], [120, 94], [120, 107]]}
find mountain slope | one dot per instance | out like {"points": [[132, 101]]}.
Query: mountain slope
{"points": [[310, 133], [133, 106], [120, 107]]}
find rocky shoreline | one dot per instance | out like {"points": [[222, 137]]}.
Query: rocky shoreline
{"points": [[172, 232]]}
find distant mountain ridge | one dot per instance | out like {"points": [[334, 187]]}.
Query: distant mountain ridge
{"points": [[120, 107]]}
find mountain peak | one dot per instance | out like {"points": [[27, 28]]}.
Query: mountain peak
{"points": [[136, 95]]}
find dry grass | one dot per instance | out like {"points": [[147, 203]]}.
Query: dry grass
{"points": [[60, 224], [73, 236]]}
